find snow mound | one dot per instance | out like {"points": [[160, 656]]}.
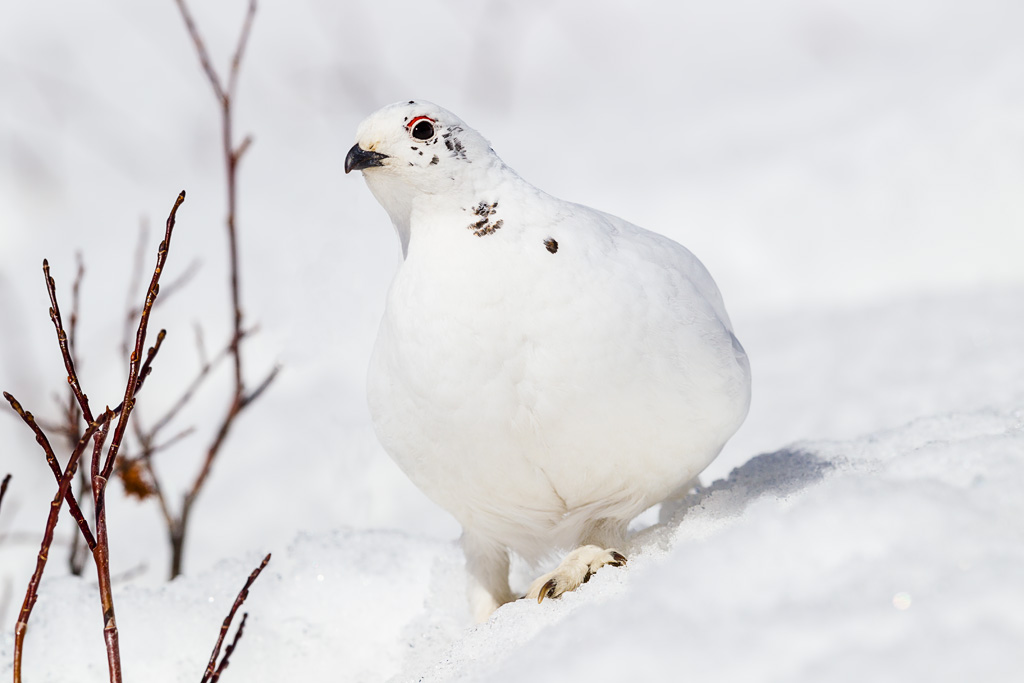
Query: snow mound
{"points": [[891, 557]]}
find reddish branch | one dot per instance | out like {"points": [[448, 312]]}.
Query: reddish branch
{"points": [[240, 397], [72, 414], [232, 154], [51, 460], [230, 649], [133, 312], [32, 594], [137, 369], [190, 391], [65, 350], [97, 431], [213, 670]]}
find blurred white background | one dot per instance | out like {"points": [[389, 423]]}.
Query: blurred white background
{"points": [[819, 157]]}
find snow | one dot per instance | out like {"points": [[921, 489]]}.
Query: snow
{"points": [[852, 172]]}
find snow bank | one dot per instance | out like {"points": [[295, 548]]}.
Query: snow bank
{"points": [[334, 607], [891, 557]]}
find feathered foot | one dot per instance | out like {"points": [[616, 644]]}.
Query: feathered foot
{"points": [[576, 569]]}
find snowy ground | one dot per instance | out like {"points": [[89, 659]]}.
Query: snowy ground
{"points": [[850, 173]]}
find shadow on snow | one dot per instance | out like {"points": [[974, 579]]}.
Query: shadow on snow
{"points": [[779, 474]]}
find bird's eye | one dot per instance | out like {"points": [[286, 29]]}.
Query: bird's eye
{"points": [[422, 128]]}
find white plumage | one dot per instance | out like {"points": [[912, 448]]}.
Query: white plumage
{"points": [[543, 371]]}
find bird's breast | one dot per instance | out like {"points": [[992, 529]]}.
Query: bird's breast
{"points": [[508, 375]]}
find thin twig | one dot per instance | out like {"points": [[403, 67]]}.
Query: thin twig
{"points": [[3, 488], [187, 273], [158, 491], [212, 670], [44, 549], [242, 147], [99, 482], [130, 573], [140, 343], [144, 372], [96, 430], [204, 57], [76, 298], [133, 311], [76, 407], [51, 460], [186, 396], [147, 366], [142, 375], [133, 285], [184, 433], [166, 292], [261, 387], [200, 345], [73, 411], [232, 155], [62, 340], [58, 428], [230, 649], [101, 558], [72, 415], [236, 60], [240, 398]]}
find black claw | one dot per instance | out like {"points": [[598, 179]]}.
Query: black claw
{"points": [[619, 558], [547, 591]]}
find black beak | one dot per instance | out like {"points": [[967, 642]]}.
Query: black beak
{"points": [[358, 159]]}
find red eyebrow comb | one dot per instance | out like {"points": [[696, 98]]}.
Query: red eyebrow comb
{"points": [[419, 118]]}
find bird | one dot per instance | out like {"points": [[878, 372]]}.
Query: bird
{"points": [[543, 371]]}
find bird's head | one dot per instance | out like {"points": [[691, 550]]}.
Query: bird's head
{"points": [[416, 150], [417, 143]]}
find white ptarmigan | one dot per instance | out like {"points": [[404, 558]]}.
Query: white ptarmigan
{"points": [[543, 371]]}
